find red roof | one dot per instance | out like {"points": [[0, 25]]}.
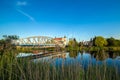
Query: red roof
{"points": [[57, 38]]}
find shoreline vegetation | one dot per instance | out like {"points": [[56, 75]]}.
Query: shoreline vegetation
{"points": [[95, 49], [67, 49], [12, 68]]}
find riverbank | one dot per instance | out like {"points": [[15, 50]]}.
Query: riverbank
{"points": [[94, 49], [81, 49], [38, 50]]}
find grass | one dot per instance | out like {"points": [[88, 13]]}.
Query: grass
{"points": [[12, 68]]}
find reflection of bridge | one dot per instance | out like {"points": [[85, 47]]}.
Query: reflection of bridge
{"points": [[35, 41], [50, 57]]}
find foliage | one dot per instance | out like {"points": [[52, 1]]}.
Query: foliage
{"points": [[100, 41], [11, 37], [73, 44], [6, 44], [113, 42], [80, 44]]}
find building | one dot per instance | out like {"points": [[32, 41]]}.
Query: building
{"points": [[87, 43], [60, 41]]}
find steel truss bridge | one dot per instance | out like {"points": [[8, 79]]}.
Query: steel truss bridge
{"points": [[35, 41]]}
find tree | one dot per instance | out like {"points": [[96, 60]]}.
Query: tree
{"points": [[73, 44], [113, 42], [100, 41], [94, 41], [6, 44], [11, 37], [118, 42], [80, 44]]}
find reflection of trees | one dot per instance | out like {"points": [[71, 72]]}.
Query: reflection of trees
{"points": [[93, 54], [110, 54], [81, 52], [63, 55], [73, 54], [115, 54], [101, 55]]}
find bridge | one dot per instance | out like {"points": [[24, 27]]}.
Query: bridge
{"points": [[35, 41]]}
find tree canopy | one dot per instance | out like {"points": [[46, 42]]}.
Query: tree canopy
{"points": [[100, 41], [113, 42], [6, 43], [73, 43], [11, 37]]}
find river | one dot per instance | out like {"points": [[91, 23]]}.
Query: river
{"points": [[85, 59]]}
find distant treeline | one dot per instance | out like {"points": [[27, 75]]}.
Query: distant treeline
{"points": [[94, 43]]}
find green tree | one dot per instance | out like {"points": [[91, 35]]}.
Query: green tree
{"points": [[94, 41], [118, 42], [113, 42], [73, 44], [100, 41], [6, 44], [11, 37], [80, 44]]}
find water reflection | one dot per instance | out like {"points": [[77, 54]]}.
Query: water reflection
{"points": [[85, 58], [63, 56], [111, 54], [52, 58], [73, 54], [102, 55], [98, 56]]}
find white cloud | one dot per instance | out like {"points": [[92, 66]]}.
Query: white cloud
{"points": [[21, 3], [27, 15]]}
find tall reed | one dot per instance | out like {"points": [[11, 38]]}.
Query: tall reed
{"points": [[12, 68]]}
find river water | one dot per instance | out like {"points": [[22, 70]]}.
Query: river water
{"points": [[84, 58]]}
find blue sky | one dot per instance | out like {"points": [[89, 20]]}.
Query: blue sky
{"points": [[82, 19]]}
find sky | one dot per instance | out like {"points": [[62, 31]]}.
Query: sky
{"points": [[82, 19]]}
